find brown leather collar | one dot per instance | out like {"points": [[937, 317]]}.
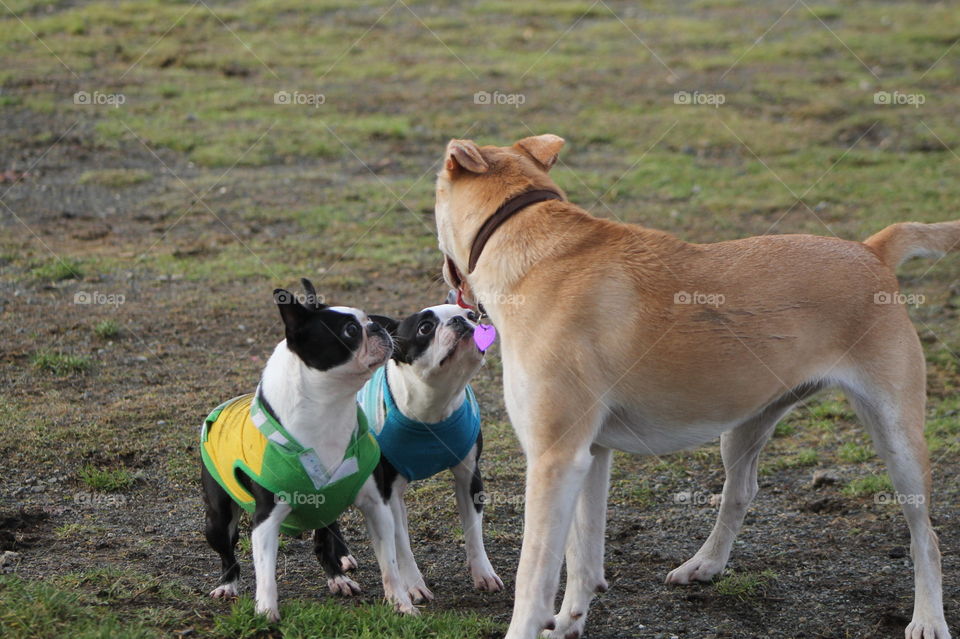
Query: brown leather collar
{"points": [[507, 210]]}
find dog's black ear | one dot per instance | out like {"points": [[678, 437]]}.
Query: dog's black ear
{"points": [[451, 297], [388, 323], [313, 300], [391, 325], [291, 310]]}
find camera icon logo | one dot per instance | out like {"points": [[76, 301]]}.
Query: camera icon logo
{"points": [[81, 97], [882, 97], [682, 97], [82, 297], [481, 97], [281, 97], [682, 297]]}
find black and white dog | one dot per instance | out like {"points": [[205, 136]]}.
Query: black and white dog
{"points": [[426, 419], [297, 452]]}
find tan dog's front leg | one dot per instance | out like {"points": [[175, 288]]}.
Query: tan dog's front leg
{"points": [[585, 549], [554, 481]]}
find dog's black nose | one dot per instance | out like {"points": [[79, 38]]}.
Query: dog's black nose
{"points": [[373, 327], [458, 320]]}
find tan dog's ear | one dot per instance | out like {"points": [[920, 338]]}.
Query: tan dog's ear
{"points": [[465, 154], [545, 149]]}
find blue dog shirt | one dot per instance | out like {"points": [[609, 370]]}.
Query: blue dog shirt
{"points": [[415, 449]]}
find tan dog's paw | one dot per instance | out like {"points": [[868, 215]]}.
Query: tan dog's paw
{"points": [[927, 629], [695, 569]]}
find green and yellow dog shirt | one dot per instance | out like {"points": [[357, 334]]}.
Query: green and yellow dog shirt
{"points": [[242, 435]]}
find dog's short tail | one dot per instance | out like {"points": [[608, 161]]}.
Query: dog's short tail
{"points": [[899, 242]]}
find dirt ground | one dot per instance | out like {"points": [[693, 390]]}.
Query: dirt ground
{"points": [[135, 282]]}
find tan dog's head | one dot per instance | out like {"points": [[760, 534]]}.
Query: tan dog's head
{"points": [[475, 181]]}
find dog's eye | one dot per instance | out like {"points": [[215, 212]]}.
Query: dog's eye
{"points": [[351, 330], [425, 328], [471, 316]]}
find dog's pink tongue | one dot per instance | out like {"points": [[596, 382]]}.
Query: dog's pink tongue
{"points": [[484, 335]]}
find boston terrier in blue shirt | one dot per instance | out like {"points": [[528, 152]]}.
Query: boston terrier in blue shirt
{"points": [[426, 419]]}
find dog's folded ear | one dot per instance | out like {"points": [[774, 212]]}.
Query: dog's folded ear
{"points": [[464, 154], [545, 149], [313, 300]]}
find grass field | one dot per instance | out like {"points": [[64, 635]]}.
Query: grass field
{"points": [[165, 164]]}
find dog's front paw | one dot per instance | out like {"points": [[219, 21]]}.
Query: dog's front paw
{"points": [[270, 611], [484, 578], [695, 569], [348, 563], [567, 627], [343, 586], [400, 600], [224, 591], [927, 629], [406, 609], [420, 593]]}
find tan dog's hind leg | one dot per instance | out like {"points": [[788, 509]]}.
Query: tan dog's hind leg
{"points": [[740, 449], [585, 549], [893, 411]]}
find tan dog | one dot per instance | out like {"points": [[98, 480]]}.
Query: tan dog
{"points": [[709, 339]]}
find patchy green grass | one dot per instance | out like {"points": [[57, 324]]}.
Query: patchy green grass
{"points": [[854, 453], [57, 269], [39, 610], [745, 586], [786, 459], [869, 485], [61, 364], [340, 190], [310, 619], [107, 329], [108, 480]]}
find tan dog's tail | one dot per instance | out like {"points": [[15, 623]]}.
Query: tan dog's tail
{"points": [[899, 242]]}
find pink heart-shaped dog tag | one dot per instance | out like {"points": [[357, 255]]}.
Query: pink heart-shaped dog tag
{"points": [[484, 335]]}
